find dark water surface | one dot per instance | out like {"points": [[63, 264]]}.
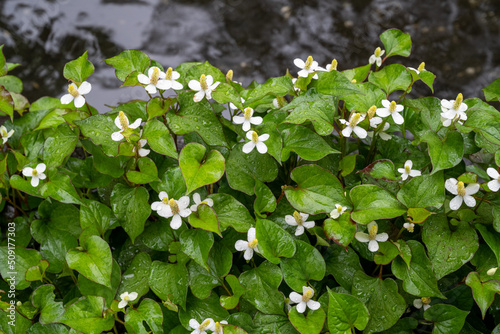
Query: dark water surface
{"points": [[458, 39]]}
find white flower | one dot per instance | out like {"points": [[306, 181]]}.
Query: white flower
{"points": [[352, 125], [376, 57], [204, 87], [420, 68], [255, 140], [121, 121], [207, 324], [424, 301], [372, 237], [453, 110], [297, 89], [4, 134], [35, 174], [232, 106], [171, 208], [307, 67], [76, 93], [217, 329], [142, 151], [494, 184], [336, 213], [171, 79], [248, 246], [407, 171], [247, 119], [463, 194], [127, 297], [303, 301], [375, 121], [393, 109], [154, 80], [409, 226], [197, 201], [300, 220], [492, 271], [332, 66]]}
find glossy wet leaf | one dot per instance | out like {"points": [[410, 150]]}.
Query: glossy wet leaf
{"points": [[230, 302], [446, 318], [449, 247], [232, 213], [306, 264], [306, 143], [492, 91], [423, 191], [59, 146], [279, 86], [136, 275], [172, 183], [95, 217], [391, 78], [200, 168], [127, 62], [342, 263], [60, 188], [491, 237], [43, 298], [23, 260], [202, 309], [169, 282], [445, 153], [312, 323], [99, 129], [396, 43], [112, 166], [87, 316], [78, 70], [418, 215], [336, 84], [345, 313], [372, 202], [147, 172], [88, 287], [341, 230], [196, 244], [274, 242], [149, 311], [265, 200], [205, 218], [483, 293], [159, 138]]}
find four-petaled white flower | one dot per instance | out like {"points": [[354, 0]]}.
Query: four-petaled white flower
{"points": [[453, 110], [248, 246], [197, 201], [407, 171], [393, 109], [462, 193], [171, 208], [372, 238], [204, 87], [218, 329], [409, 226], [36, 174], [338, 211], [422, 302], [303, 301], [121, 121], [154, 80], [76, 93], [127, 297], [352, 125], [420, 68], [171, 79], [4, 134], [376, 57], [494, 184], [307, 67], [255, 141], [247, 119], [300, 220], [206, 325]]}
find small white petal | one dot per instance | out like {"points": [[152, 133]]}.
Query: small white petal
{"points": [[241, 245], [176, 222], [261, 147], [238, 119], [40, 168], [67, 98], [122, 304], [151, 89], [309, 225], [470, 201], [472, 188], [299, 230], [136, 124], [383, 112], [290, 220], [398, 119], [451, 186], [418, 303], [456, 202], [295, 297], [194, 324], [248, 147], [143, 79], [360, 132], [85, 88], [251, 234], [313, 305], [199, 96], [494, 185], [382, 237], [28, 171], [117, 136], [362, 237], [248, 254], [79, 101], [373, 246], [301, 307]]}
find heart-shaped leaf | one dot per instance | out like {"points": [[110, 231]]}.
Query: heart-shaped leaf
{"points": [[310, 324], [199, 170]]}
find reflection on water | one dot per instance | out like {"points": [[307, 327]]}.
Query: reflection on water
{"points": [[458, 39]]}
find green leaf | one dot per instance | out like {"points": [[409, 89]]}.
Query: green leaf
{"points": [[391, 78], [347, 164], [12, 84], [99, 129], [306, 143], [230, 302], [444, 153], [196, 244], [335, 83], [345, 313], [172, 182], [423, 191], [448, 249], [262, 288], [3, 64], [59, 146], [307, 264], [225, 93], [147, 172], [279, 86], [150, 312], [205, 218], [87, 316], [381, 169], [59, 187], [127, 62], [199, 168], [16, 267], [6, 102], [483, 294], [159, 138], [136, 275], [370, 95], [243, 169], [342, 263], [317, 190], [131, 207], [202, 309], [447, 319], [88, 287], [265, 200], [274, 242], [38, 328], [418, 215], [93, 260], [427, 78], [43, 299], [385, 305], [491, 237], [492, 91], [396, 43], [95, 217], [199, 117], [113, 166], [232, 213], [418, 280], [78, 70], [341, 230], [17, 182], [312, 324], [169, 282], [371, 203]]}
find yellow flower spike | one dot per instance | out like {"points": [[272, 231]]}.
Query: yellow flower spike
{"points": [[354, 120], [421, 67], [426, 300], [298, 218], [72, 90], [354, 81], [371, 111], [203, 82], [392, 107], [253, 243], [307, 296], [248, 113], [458, 101], [218, 327], [168, 74], [373, 231], [377, 52], [173, 206], [309, 62], [461, 188], [155, 76], [255, 137], [204, 325], [229, 75], [333, 65]]}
